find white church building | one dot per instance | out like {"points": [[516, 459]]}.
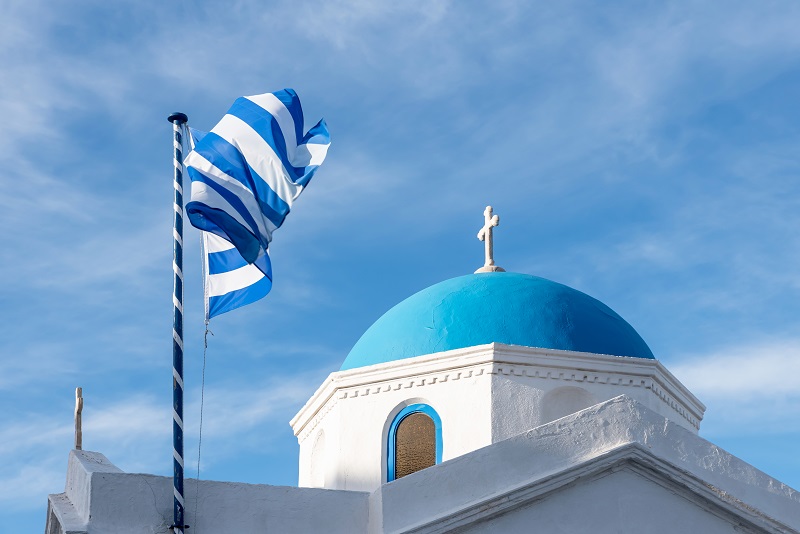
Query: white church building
{"points": [[489, 403]]}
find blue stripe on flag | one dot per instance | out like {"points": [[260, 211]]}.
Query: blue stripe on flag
{"points": [[228, 260], [289, 98], [230, 281], [234, 201], [265, 125], [224, 261], [229, 160], [220, 223], [237, 299], [318, 134]]}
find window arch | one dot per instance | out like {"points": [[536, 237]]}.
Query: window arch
{"points": [[415, 441]]}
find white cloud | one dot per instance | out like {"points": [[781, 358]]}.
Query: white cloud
{"points": [[345, 22], [234, 410], [26, 488], [742, 372], [35, 362], [23, 435], [748, 390], [132, 419], [135, 433]]}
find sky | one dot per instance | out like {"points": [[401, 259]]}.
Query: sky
{"points": [[645, 153]]}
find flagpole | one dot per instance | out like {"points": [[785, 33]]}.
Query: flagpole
{"points": [[177, 120]]}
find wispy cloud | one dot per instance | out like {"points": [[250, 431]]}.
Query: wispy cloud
{"points": [[748, 389], [349, 23], [134, 432], [768, 369], [26, 486]]}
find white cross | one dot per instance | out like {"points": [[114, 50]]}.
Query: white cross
{"points": [[485, 235], [78, 410]]}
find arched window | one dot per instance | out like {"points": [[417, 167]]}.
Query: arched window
{"points": [[415, 441]]}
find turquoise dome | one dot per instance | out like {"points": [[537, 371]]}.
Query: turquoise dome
{"points": [[510, 308]]}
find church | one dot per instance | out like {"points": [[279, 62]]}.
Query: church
{"points": [[494, 402]]}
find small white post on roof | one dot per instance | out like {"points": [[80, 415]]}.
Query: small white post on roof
{"points": [[78, 410], [485, 235]]}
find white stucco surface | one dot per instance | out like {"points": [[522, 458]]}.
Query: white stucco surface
{"points": [[619, 433], [483, 395], [99, 498], [356, 460], [614, 498], [617, 466]]}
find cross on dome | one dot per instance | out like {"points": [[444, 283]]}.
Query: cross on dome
{"points": [[485, 235]]}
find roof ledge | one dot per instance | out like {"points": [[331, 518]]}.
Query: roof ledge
{"points": [[544, 459]]}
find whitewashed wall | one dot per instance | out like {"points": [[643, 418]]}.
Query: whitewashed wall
{"points": [[483, 395], [99, 498], [356, 427], [614, 467]]}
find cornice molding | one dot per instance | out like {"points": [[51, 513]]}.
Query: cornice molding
{"points": [[499, 359], [648, 382]]}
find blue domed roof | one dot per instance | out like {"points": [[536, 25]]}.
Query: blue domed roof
{"points": [[510, 308]]}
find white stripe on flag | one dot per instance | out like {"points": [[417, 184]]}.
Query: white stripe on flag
{"points": [[215, 243], [259, 155], [222, 283], [275, 107], [310, 154], [228, 290]]}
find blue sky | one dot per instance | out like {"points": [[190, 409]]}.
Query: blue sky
{"points": [[645, 153]]}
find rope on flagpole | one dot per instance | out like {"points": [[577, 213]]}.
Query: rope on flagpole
{"points": [[178, 526], [202, 402], [203, 376]]}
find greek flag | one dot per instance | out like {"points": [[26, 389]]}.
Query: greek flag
{"points": [[246, 173]]}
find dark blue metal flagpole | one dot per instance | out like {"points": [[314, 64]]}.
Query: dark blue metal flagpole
{"points": [[177, 120]]}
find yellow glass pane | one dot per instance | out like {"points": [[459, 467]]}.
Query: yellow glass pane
{"points": [[415, 444]]}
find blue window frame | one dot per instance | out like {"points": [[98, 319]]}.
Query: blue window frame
{"points": [[391, 442]]}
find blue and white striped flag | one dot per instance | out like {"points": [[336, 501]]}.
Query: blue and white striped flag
{"points": [[231, 282], [246, 173]]}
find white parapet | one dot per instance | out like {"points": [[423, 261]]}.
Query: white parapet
{"points": [[100, 498]]}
